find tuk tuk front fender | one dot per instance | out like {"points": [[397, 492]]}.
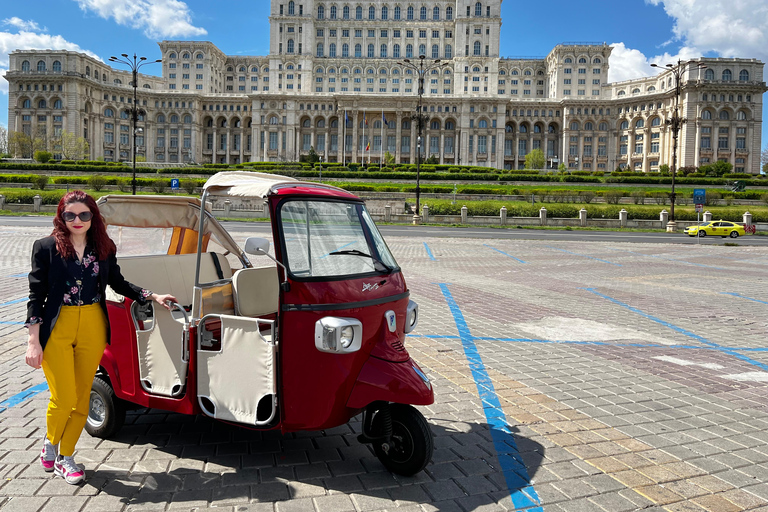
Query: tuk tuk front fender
{"points": [[403, 383]]}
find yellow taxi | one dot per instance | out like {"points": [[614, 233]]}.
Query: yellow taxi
{"points": [[721, 228]]}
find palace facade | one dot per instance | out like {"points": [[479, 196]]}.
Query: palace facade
{"points": [[333, 81]]}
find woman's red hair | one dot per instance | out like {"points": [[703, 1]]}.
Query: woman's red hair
{"points": [[97, 234]]}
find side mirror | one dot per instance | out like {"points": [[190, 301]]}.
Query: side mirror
{"points": [[257, 246]]}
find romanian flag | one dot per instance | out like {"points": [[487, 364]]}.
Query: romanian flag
{"points": [[368, 146], [365, 119]]}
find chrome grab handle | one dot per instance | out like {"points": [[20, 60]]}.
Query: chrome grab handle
{"points": [[185, 341], [180, 308]]}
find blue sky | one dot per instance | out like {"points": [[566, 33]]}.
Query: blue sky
{"points": [[640, 31]]}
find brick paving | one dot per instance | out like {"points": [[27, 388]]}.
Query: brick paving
{"points": [[630, 377]]}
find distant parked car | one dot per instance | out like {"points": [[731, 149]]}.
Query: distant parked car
{"points": [[716, 228]]}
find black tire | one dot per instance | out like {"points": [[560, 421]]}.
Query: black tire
{"points": [[734, 234], [702, 233], [411, 446], [106, 412]]}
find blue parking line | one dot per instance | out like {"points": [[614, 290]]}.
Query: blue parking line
{"points": [[20, 275], [583, 255], [505, 254], [701, 339], [24, 395], [15, 301], [744, 297], [522, 493], [6, 322], [429, 252]]}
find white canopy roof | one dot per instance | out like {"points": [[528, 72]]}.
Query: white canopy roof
{"points": [[254, 184]]}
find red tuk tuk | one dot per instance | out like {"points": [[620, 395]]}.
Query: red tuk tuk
{"points": [[307, 342]]}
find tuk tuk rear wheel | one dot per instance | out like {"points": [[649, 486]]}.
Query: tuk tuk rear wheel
{"points": [[106, 412], [411, 445]]}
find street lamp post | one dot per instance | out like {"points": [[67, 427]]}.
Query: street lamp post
{"points": [[421, 118], [134, 64], [676, 123]]}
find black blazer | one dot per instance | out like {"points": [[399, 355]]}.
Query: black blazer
{"points": [[47, 285]]}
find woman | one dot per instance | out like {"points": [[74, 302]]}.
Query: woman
{"points": [[68, 323]]}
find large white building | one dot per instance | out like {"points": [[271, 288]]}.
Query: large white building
{"points": [[332, 81]]}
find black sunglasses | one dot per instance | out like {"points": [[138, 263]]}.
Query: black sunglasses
{"points": [[70, 216]]}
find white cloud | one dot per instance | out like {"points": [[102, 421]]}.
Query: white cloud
{"points": [[31, 41], [158, 18], [628, 63], [726, 27], [21, 24]]}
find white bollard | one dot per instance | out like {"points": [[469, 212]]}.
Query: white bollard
{"points": [[425, 213], [707, 216], [227, 207], [503, 215], [623, 218], [38, 201], [543, 216], [583, 217], [388, 213], [2, 202], [664, 218], [464, 214]]}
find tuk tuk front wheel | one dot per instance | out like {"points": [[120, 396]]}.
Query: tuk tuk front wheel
{"points": [[106, 412], [411, 445]]}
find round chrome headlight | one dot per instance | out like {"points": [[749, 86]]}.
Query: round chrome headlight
{"points": [[347, 336]]}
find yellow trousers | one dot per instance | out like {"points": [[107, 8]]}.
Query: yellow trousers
{"points": [[70, 360]]}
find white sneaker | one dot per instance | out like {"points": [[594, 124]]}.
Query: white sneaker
{"points": [[48, 456], [66, 468]]}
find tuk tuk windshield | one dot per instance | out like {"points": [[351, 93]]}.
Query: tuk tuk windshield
{"points": [[332, 239]]}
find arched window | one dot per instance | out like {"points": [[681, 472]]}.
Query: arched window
{"points": [[57, 67], [371, 13], [743, 75], [199, 56], [582, 60], [174, 119], [273, 120], [603, 127], [321, 123], [345, 12], [741, 115], [621, 93], [423, 13], [709, 74], [727, 75], [588, 126], [332, 50], [434, 125], [333, 12], [41, 104], [185, 56], [384, 13], [358, 50], [306, 123], [57, 104], [448, 51], [397, 12], [596, 60], [223, 123], [509, 129], [656, 121], [537, 128], [523, 128], [724, 115], [476, 69], [436, 13], [706, 114], [568, 60], [319, 49], [371, 51], [108, 112], [377, 124], [406, 125], [422, 50], [396, 51], [553, 129], [41, 65], [625, 125], [410, 12], [25, 67], [26, 104], [449, 125], [320, 12], [477, 48], [187, 119], [383, 51], [449, 13], [574, 126], [291, 8], [358, 13], [117, 81], [123, 114], [172, 56], [635, 91], [161, 118], [345, 50], [335, 123], [482, 124], [478, 9], [435, 51], [640, 123], [409, 51], [290, 46]]}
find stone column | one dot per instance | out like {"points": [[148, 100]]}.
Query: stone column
{"points": [[398, 135], [442, 147], [355, 141]]}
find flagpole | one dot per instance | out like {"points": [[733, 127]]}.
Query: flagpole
{"points": [[381, 148], [365, 121], [344, 141]]}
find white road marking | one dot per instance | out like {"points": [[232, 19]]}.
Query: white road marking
{"points": [[684, 362], [748, 377]]}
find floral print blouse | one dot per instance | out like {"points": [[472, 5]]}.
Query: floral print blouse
{"points": [[82, 283]]}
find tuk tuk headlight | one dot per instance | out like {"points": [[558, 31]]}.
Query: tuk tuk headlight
{"points": [[411, 316], [338, 335]]}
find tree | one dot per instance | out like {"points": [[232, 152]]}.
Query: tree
{"points": [[764, 159], [3, 140], [20, 145], [313, 157], [389, 159], [535, 159], [562, 167], [73, 147]]}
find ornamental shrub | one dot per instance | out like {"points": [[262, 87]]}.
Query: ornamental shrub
{"points": [[97, 182]]}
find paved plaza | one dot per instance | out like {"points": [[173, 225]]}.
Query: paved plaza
{"points": [[569, 376]]}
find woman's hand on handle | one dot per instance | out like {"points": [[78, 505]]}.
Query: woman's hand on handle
{"points": [[164, 300]]}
